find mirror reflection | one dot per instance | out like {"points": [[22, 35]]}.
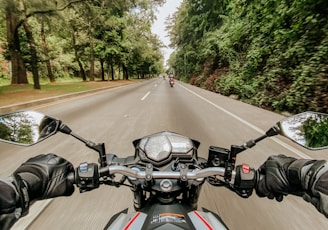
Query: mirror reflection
{"points": [[26, 127], [309, 129]]}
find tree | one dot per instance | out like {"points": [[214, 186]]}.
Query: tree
{"points": [[270, 53], [46, 52], [91, 32], [17, 14], [19, 75]]}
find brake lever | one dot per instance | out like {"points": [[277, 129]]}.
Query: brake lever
{"points": [[214, 181], [111, 183]]}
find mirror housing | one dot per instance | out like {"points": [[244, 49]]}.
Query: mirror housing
{"points": [[27, 127], [308, 129]]}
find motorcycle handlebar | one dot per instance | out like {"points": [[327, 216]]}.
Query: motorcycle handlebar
{"points": [[125, 171], [202, 173], [91, 172], [243, 178]]}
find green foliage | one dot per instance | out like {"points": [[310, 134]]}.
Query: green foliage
{"points": [[316, 133], [115, 32], [276, 52]]}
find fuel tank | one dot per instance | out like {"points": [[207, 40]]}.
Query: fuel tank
{"points": [[171, 217]]}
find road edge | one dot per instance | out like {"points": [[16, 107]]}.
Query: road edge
{"points": [[24, 105]]}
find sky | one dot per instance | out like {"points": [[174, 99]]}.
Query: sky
{"points": [[159, 26]]}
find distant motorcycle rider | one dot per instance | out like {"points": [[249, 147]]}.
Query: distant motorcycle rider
{"points": [[45, 176], [171, 79]]}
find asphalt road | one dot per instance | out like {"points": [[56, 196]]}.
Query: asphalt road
{"points": [[120, 115]]}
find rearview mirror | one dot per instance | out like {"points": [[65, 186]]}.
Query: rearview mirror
{"points": [[309, 129], [26, 127]]}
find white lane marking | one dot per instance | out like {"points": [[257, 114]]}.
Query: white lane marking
{"points": [[287, 146], [144, 97], [34, 212]]}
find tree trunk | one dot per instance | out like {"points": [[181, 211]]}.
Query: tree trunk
{"points": [[125, 72], [82, 71], [77, 57], [46, 54], [18, 73], [102, 69], [112, 69], [92, 58], [31, 43], [34, 56]]}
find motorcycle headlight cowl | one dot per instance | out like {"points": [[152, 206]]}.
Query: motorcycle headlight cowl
{"points": [[162, 147]]}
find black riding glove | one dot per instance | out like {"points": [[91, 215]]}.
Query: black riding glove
{"points": [[43, 177], [280, 175]]}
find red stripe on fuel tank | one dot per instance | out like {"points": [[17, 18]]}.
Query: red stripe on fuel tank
{"points": [[131, 221], [203, 220]]}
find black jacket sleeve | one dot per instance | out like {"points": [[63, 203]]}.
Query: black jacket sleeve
{"points": [[315, 183], [9, 210]]}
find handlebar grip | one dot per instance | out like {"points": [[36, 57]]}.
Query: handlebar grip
{"points": [[71, 177]]}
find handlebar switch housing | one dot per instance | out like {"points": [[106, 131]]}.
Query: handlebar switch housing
{"points": [[245, 180], [87, 176]]}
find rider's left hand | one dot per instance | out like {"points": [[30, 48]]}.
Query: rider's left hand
{"points": [[43, 177]]}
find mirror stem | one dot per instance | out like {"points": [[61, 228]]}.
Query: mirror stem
{"points": [[273, 131], [64, 128], [259, 139], [100, 148]]}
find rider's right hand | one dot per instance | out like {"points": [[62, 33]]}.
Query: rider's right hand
{"points": [[281, 175], [274, 180]]}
